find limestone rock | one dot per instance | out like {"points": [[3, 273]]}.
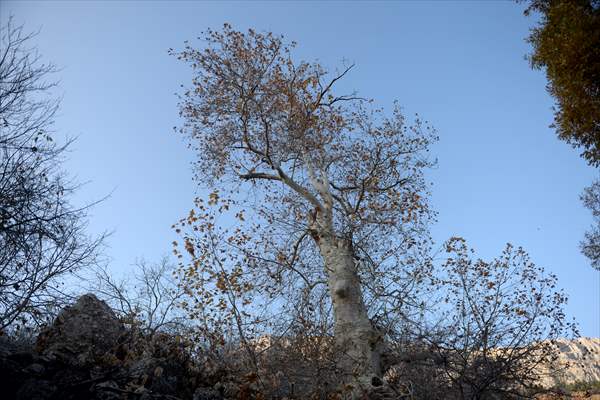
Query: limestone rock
{"points": [[578, 361], [82, 332]]}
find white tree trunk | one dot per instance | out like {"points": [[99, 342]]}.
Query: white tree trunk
{"points": [[358, 342]]}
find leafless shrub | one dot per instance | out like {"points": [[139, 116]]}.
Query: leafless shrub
{"points": [[42, 235], [497, 323], [149, 298]]}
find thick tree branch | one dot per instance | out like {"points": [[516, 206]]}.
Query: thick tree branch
{"points": [[259, 175]]}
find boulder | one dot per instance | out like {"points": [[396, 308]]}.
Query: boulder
{"points": [[88, 354], [82, 332]]}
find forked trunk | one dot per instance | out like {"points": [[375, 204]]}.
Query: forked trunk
{"points": [[357, 341]]}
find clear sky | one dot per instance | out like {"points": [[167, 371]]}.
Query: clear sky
{"points": [[503, 176]]}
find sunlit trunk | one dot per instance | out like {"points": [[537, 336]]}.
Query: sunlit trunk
{"points": [[357, 341]]}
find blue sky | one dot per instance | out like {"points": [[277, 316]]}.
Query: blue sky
{"points": [[503, 176]]}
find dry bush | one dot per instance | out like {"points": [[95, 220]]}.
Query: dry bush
{"points": [[42, 234], [147, 299]]}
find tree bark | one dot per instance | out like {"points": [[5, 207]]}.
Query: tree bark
{"points": [[359, 344]]}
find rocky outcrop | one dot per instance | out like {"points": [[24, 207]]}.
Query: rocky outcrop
{"points": [[578, 361], [81, 333], [88, 354]]}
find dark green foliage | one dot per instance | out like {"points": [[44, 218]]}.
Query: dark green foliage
{"points": [[566, 44]]}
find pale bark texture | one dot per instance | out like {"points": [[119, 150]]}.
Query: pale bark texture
{"points": [[357, 340]]}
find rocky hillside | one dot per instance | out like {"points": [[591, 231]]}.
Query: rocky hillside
{"points": [[579, 361]]}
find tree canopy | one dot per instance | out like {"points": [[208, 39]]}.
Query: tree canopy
{"points": [[566, 44], [335, 187]]}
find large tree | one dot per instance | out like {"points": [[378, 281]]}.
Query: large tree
{"points": [[336, 188], [42, 235], [565, 44]]}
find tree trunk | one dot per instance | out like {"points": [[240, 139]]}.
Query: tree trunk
{"points": [[357, 341]]}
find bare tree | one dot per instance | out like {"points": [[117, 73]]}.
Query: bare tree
{"points": [[501, 319], [150, 298], [42, 235], [335, 188]]}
